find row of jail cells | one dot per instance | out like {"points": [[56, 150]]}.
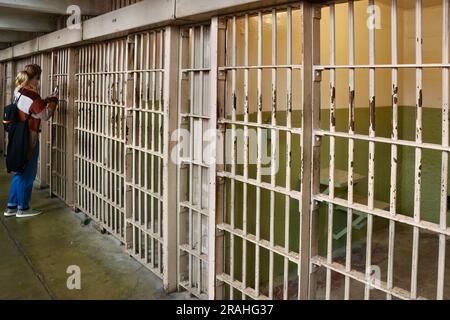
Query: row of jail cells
{"points": [[267, 106]]}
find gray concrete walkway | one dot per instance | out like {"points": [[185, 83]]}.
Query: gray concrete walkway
{"points": [[36, 252]]}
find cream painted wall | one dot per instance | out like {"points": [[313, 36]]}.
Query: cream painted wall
{"points": [[281, 49], [431, 53], [432, 47], [382, 55]]}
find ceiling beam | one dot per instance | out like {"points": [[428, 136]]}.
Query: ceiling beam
{"points": [[137, 15], [26, 22], [88, 7]]}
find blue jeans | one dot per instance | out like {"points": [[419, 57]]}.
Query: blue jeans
{"points": [[22, 184]]}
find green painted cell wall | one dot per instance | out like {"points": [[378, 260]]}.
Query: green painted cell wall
{"points": [[430, 193], [279, 209], [431, 163]]}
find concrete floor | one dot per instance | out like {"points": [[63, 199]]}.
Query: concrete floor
{"points": [[427, 265], [36, 252]]}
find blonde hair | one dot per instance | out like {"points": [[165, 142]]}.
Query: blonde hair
{"points": [[28, 73], [22, 79], [33, 70]]}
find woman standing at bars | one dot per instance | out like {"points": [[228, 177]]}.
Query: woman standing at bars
{"points": [[30, 103]]}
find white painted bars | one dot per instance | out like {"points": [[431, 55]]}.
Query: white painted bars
{"points": [[445, 143], [196, 168], [100, 133], [416, 222], [145, 212], [253, 111]]}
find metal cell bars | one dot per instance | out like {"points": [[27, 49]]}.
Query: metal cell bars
{"points": [[369, 208], [100, 134], [117, 4], [196, 121], [2, 104], [9, 80], [58, 78], [146, 145], [43, 173], [263, 124], [20, 64], [10, 76]]}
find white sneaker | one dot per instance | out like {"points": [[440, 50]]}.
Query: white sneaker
{"points": [[10, 212], [27, 213]]}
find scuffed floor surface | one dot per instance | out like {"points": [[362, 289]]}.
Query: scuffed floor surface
{"points": [[35, 254]]}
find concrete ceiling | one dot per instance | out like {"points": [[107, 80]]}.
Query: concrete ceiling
{"points": [[22, 20]]}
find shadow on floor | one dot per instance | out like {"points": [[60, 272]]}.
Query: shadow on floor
{"points": [[36, 253]]}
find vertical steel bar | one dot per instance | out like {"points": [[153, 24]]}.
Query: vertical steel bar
{"points": [[153, 144], [418, 151], [147, 127], [182, 58], [371, 177], [445, 143], [258, 159], [72, 62], [287, 204], [273, 166], [156, 216], [52, 71], [351, 143], [310, 150], [135, 181], [331, 151], [246, 153], [160, 129], [140, 128], [394, 149], [129, 232], [192, 102], [200, 158], [234, 146], [215, 246]]}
